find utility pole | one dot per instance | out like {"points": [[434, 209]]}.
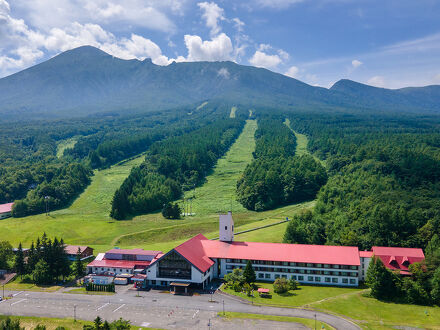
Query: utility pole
{"points": [[223, 308], [3, 292], [46, 198], [74, 313], [315, 321]]}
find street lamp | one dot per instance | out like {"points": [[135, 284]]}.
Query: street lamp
{"points": [[315, 321], [74, 313], [223, 308]]}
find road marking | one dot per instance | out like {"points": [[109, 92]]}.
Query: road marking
{"points": [[103, 306], [145, 324], [118, 308], [197, 312], [16, 294], [17, 302]]}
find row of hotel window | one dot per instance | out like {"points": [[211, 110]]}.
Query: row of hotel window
{"points": [[316, 279], [297, 264], [298, 271]]}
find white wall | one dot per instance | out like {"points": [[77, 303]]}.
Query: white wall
{"points": [[365, 263], [226, 227]]}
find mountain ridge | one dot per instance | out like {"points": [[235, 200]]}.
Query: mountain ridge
{"points": [[86, 80]]}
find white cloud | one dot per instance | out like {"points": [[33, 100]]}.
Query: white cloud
{"points": [[238, 24], [292, 72], [218, 48], [283, 54], [356, 63], [212, 14], [277, 4], [377, 81], [223, 72], [47, 14], [261, 59]]}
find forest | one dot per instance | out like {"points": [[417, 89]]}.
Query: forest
{"points": [[277, 177], [173, 165], [30, 170]]}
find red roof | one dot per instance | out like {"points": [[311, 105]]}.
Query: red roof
{"points": [[199, 251], [193, 251], [397, 258], [134, 252], [4, 208], [319, 254], [118, 263], [365, 254], [73, 249]]}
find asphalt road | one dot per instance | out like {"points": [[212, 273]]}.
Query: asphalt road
{"points": [[155, 309]]}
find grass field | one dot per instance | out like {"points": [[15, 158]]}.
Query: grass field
{"points": [[84, 291], [64, 144], [307, 322], [353, 303], [87, 221], [18, 285]]}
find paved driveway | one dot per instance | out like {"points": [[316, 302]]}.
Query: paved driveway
{"points": [[156, 309]]}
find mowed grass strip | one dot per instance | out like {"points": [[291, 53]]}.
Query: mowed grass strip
{"points": [[307, 322], [218, 194]]}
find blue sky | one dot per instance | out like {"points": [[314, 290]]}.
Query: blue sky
{"points": [[384, 43]]}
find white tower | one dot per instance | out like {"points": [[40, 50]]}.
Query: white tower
{"points": [[226, 227]]}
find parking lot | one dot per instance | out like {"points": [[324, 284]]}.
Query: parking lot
{"points": [[156, 309]]}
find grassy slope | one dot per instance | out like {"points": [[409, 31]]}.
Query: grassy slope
{"points": [[64, 144], [86, 221]]}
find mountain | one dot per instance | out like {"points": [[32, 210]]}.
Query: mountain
{"points": [[423, 99], [86, 80]]}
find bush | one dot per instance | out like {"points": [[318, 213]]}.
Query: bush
{"points": [[247, 289], [293, 284], [281, 285]]}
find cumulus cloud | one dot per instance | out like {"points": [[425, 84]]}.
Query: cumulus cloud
{"points": [[292, 72], [238, 24], [218, 48], [377, 81], [47, 14], [356, 63], [212, 14], [263, 60], [223, 72]]}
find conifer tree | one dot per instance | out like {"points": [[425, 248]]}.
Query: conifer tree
{"points": [[78, 267], [380, 280], [249, 273], [19, 265]]}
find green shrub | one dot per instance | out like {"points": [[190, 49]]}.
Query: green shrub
{"points": [[281, 285]]}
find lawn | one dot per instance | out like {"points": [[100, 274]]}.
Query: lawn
{"points": [[18, 285], [307, 322], [296, 298], [374, 314], [84, 291], [52, 323]]}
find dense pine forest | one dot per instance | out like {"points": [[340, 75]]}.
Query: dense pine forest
{"points": [[277, 177]]}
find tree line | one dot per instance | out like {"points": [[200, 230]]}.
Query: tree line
{"points": [[276, 176], [172, 165], [384, 184]]}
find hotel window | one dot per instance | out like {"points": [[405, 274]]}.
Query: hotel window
{"points": [[292, 263], [294, 277], [229, 267], [318, 265], [335, 273], [326, 266], [284, 276], [300, 278], [260, 275], [285, 264], [345, 280], [301, 264], [352, 281], [336, 266], [327, 280], [354, 267], [267, 275], [302, 271], [335, 280], [309, 271], [309, 265], [277, 276], [310, 278], [317, 279]]}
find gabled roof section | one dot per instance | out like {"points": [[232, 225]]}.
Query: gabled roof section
{"points": [[193, 251], [365, 254], [397, 258], [73, 249]]}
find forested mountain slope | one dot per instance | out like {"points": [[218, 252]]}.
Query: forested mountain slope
{"points": [[87, 80]]}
